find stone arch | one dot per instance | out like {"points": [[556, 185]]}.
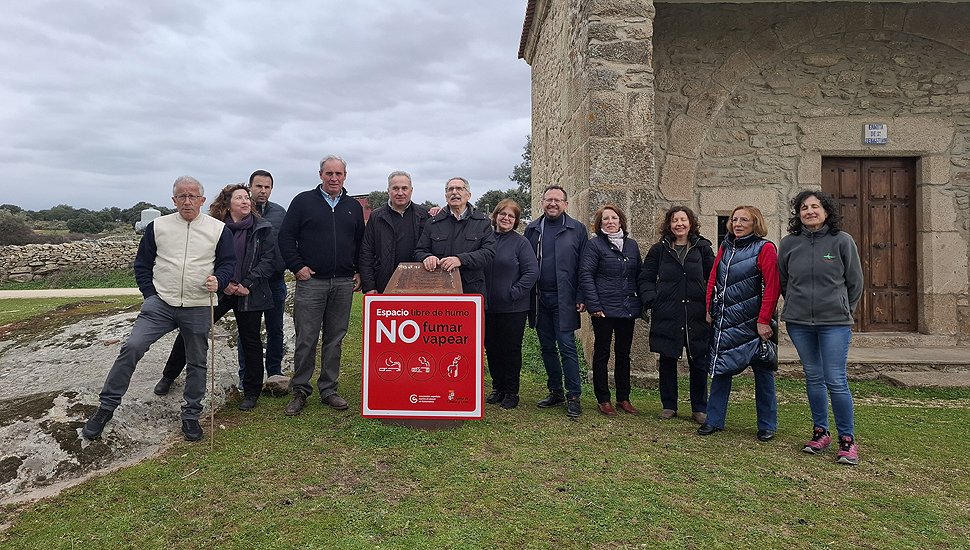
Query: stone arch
{"points": [[689, 130]]}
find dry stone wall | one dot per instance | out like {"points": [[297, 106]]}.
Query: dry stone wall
{"points": [[35, 261]]}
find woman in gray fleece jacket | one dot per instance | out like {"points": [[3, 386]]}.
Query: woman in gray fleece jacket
{"points": [[821, 280]]}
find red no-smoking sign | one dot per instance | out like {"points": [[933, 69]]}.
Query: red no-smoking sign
{"points": [[422, 356]]}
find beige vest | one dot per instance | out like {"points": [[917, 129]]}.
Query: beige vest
{"points": [[186, 256]]}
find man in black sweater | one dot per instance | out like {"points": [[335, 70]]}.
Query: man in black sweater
{"points": [[320, 243]]}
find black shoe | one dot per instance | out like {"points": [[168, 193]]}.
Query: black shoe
{"points": [[495, 397], [573, 408], [551, 400], [511, 401], [707, 429], [95, 425], [766, 435], [248, 403], [192, 430], [163, 386]]}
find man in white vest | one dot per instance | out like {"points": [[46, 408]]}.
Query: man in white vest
{"points": [[182, 257]]}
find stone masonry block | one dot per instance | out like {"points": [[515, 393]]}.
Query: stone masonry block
{"points": [[737, 66], [677, 178], [607, 114], [934, 169], [719, 201], [707, 105], [763, 46], [620, 162], [830, 21], [686, 136], [843, 135], [810, 169], [794, 31], [636, 53], [863, 16], [640, 114], [622, 8], [937, 210], [922, 21], [894, 17], [955, 32], [945, 256], [938, 314]]}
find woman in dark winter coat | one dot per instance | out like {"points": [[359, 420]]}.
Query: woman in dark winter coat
{"points": [[673, 283], [608, 278], [821, 279], [248, 293], [742, 293], [508, 279]]}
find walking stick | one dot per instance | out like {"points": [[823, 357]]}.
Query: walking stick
{"points": [[212, 377]]}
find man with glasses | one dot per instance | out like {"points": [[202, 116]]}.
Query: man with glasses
{"points": [[182, 257], [320, 243], [558, 242], [459, 237]]}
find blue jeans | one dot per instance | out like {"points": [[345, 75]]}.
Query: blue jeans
{"points": [[823, 351], [547, 330], [155, 320], [320, 304], [766, 402], [274, 332]]}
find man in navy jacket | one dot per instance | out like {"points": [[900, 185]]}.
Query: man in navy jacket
{"points": [[557, 300], [320, 243]]}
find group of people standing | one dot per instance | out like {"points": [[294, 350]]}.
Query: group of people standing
{"points": [[719, 307]]}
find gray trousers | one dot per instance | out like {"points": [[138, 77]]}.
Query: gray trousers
{"points": [[155, 320], [320, 304]]}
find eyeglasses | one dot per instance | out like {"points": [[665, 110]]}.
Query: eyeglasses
{"points": [[553, 201], [505, 215], [742, 220], [454, 189], [183, 198]]}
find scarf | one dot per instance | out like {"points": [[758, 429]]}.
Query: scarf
{"points": [[240, 230], [616, 239]]}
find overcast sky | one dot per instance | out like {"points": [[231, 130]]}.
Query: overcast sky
{"points": [[105, 103]]}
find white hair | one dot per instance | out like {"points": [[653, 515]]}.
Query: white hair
{"points": [[187, 180], [332, 157]]}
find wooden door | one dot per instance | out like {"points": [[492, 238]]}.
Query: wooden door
{"points": [[877, 200]]}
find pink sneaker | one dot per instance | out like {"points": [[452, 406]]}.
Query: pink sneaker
{"points": [[848, 451], [821, 441]]}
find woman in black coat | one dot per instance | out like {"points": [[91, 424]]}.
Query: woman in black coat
{"points": [[673, 283], [608, 278]]}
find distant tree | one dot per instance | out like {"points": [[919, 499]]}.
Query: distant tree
{"points": [[429, 204], [522, 173], [14, 228], [133, 214], [61, 212], [88, 222], [377, 199], [12, 208], [490, 199]]}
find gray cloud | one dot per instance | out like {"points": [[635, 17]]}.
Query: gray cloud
{"points": [[105, 103]]}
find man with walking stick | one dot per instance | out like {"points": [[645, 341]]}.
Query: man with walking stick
{"points": [[182, 258]]}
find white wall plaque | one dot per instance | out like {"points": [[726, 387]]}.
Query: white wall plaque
{"points": [[875, 134]]}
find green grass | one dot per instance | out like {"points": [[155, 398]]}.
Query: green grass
{"points": [[531, 478], [78, 278]]}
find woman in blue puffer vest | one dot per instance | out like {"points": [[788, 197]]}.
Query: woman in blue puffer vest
{"points": [[742, 293]]}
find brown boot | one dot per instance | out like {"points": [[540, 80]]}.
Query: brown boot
{"points": [[607, 409], [295, 406], [626, 407], [667, 414], [700, 418]]}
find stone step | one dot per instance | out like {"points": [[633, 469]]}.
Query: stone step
{"points": [[932, 380], [895, 340], [869, 362]]}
